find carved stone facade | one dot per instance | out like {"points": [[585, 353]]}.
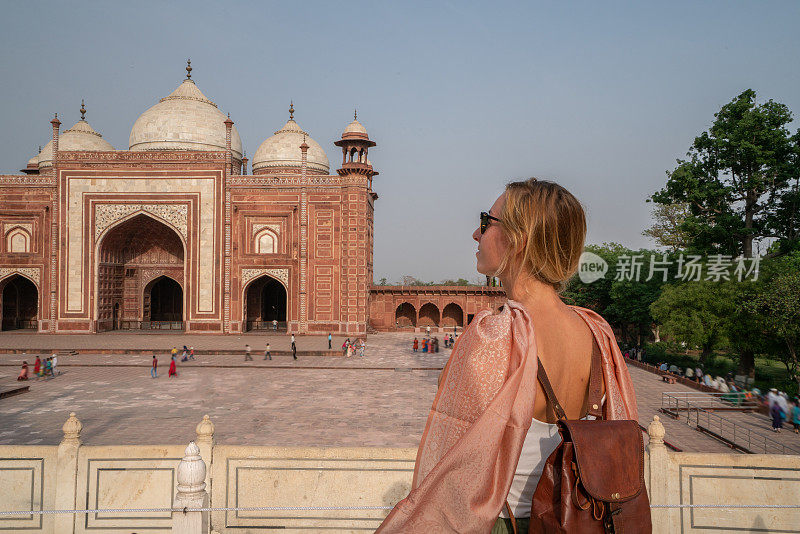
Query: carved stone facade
{"points": [[125, 239]]}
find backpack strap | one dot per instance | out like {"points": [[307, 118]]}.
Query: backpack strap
{"points": [[596, 383], [595, 386]]}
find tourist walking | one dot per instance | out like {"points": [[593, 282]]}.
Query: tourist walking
{"points": [[362, 347], [154, 368], [294, 348], [777, 417], [185, 354], [330, 341], [23, 374], [267, 353], [48, 368], [796, 416], [275, 325], [37, 367], [191, 353], [173, 366], [174, 352], [351, 348], [247, 355], [415, 345], [54, 359], [344, 346]]}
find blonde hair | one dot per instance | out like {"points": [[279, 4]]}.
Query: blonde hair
{"points": [[545, 226]]}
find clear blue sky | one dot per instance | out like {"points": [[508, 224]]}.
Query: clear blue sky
{"points": [[460, 97]]}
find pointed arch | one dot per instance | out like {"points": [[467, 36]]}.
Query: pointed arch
{"points": [[18, 239], [266, 242]]}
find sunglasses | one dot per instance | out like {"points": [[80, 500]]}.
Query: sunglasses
{"points": [[485, 218]]}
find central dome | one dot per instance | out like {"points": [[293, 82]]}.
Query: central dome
{"points": [[184, 120], [281, 154]]}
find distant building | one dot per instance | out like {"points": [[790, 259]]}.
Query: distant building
{"points": [[173, 233]]}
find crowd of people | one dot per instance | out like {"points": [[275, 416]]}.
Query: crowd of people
{"points": [[781, 408], [350, 348], [43, 368], [431, 343]]}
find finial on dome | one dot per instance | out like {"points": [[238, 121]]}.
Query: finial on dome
{"points": [[40, 149], [291, 110], [355, 114], [83, 110], [188, 69]]}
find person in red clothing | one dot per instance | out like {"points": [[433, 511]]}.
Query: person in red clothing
{"points": [[173, 367], [23, 374], [415, 346], [37, 366]]}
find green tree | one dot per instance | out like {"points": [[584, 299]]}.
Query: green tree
{"points": [[667, 230], [778, 306], [694, 312], [733, 176]]}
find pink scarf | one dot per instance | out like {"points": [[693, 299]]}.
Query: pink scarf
{"points": [[479, 419]]}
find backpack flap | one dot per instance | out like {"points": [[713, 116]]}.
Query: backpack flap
{"points": [[609, 457]]}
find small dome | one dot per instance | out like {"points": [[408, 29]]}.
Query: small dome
{"points": [[281, 152], [356, 128], [81, 137], [184, 120]]}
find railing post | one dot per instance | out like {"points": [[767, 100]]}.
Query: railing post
{"points": [[657, 475], [205, 442], [67, 475], [191, 494]]}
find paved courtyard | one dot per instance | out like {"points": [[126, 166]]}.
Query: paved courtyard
{"points": [[380, 400]]}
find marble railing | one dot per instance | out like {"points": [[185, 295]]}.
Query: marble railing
{"points": [[331, 489]]}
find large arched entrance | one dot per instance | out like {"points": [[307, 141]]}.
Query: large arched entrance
{"points": [[139, 276], [20, 303], [429, 315], [162, 302], [405, 316], [452, 315], [265, 303]]}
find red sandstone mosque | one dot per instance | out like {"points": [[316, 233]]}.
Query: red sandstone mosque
{"points": [[172, 233]]}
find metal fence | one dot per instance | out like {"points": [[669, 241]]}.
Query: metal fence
{"points": [[698, 411], [151, 325], [268, 326]]}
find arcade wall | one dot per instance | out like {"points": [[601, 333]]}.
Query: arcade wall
{"points": [[418, 307]]}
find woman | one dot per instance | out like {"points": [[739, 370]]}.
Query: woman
{"points": [[173, 366], [415, 346], [490, 428], [37, 366], [23, 374], [777, 417]]}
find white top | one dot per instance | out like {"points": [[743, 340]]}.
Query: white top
{"points": [[541, 440]]}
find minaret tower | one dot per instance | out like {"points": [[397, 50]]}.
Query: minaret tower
{"points": [[355, 145], [357, 241]]}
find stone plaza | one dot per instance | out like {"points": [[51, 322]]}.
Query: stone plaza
{"points": [[381, 400]]}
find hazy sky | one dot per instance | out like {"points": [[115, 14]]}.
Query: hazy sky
{"points": [[460, 97]]}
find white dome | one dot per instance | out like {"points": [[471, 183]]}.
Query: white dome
{"points": [[184, 120], [354, 127], [281, 152], [80, 137]]}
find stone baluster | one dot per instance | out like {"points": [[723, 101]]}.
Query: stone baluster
{"points": [[66, 474], [191, 494], [205, 442], [657, 475]]}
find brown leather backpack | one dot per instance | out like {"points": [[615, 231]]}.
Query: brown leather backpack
{"points": [[594, 480]]}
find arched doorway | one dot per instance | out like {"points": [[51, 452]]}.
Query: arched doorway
{"points": [[266, 305], [162, 301], [20, 303], [452, 315], [140, 271], [429, 315], [405, 316]]}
